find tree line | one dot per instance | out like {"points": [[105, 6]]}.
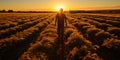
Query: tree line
{"points": [[6, 11]]}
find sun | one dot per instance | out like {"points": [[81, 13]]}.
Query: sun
{"points": [[59, 7]]}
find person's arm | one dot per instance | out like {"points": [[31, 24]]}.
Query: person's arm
{"points": [[55, 19]]}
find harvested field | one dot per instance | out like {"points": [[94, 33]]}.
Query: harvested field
{"points": [[34, 36]]}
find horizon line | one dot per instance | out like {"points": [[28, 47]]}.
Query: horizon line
{"points": [[64, 10]]}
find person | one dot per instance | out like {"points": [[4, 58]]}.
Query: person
{"points": [[60, 20]]}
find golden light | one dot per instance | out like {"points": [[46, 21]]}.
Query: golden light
{"points": [[59, 7]]}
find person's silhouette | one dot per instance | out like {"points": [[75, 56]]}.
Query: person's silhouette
{"points": [[60, 19]]}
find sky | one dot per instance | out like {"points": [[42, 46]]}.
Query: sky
{"points": [[45, 5]]}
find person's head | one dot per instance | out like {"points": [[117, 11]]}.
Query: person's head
{"points": [[61, 10]]}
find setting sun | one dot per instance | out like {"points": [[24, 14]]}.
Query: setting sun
{"points": [[59, 7]]}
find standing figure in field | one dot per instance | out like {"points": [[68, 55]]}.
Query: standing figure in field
{"points": [[60, 20]]}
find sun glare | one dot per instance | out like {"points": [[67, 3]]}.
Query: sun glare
{"points": [[59, 7]]}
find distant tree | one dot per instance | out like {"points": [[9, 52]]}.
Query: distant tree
{"points": [[10, 10], [3, 10]]}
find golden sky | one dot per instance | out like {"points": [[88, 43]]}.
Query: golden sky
{"points": [[43, 5]]}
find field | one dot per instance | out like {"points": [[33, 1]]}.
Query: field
{"points": [[33, 36]]}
